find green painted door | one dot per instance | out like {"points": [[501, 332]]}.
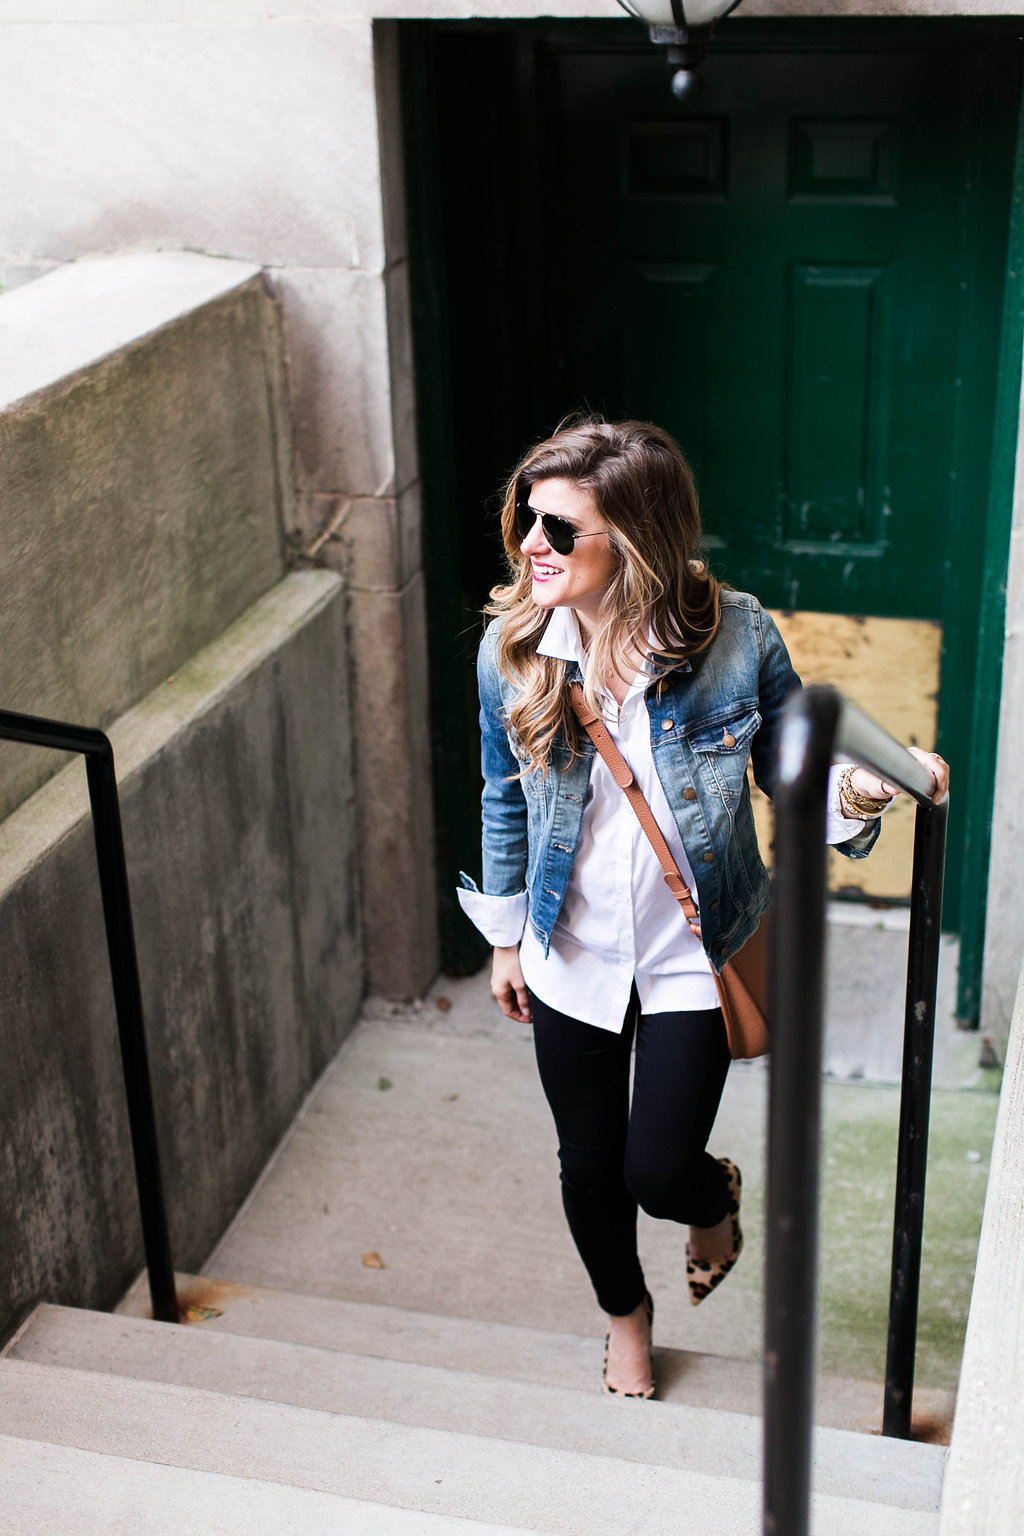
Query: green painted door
{"points": [[785, 269], [801, 275]]}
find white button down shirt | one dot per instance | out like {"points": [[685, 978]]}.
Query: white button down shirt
{"points": [[619, 921]]}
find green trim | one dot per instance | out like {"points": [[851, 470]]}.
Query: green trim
{"points": [[979, 792]]}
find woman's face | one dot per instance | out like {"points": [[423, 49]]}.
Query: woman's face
{"points": [[577, 580]]}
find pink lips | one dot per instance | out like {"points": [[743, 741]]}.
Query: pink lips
{"points": [[544, 573]]}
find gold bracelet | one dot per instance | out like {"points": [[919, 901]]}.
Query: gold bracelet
{"points": [[859, 807]]}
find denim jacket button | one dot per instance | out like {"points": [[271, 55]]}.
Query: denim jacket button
{"points": [[725, 951], [689, 794], [728, 739], [667, 725], [709, 858]]}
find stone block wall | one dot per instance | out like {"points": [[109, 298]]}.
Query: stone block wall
{"points": [[250, 129]]}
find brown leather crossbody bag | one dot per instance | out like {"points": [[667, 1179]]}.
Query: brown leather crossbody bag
{"points": [[743, 980]]}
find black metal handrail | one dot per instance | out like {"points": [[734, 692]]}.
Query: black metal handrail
{"points": [[819, 725], [124, 974]]}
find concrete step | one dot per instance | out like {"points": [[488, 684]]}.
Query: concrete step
{"points": [[523, 1354], [664, 1434], [50, 1489], [444, 1472], [672, 1435]]}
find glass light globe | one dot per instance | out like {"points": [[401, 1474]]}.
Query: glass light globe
{"points": [[698, 13]]}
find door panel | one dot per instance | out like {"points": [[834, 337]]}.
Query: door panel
{"points": [[790, 266], [834, 431]]}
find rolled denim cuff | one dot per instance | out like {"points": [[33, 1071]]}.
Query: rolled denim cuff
{"points": [[501, 919]]}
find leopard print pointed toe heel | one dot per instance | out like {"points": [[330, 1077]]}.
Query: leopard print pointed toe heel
{"points": [[703, 1275]]}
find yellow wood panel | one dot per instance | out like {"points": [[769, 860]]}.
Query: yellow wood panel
{"points": [[890, 667]]}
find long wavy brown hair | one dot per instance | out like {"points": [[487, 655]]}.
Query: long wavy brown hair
{"points": [[643, 488]]}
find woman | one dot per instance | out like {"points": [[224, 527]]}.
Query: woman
{"points": [[602, 532]]}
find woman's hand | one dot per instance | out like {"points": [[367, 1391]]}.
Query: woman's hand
{"points": [[865, 783], [508, 986]]}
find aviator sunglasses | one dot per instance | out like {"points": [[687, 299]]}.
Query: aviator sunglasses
{"points": [[559, 532]]}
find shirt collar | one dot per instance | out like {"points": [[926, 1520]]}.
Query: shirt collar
{"points": [[562, 639]]}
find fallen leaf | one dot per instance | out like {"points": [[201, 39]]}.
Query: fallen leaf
{"points": [[201, 1314], [384, 1083], [373, 1261], [450, 1098], [444, 1004]]}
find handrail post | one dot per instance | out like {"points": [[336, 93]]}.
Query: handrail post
{"points": [[816, 724], [124, 975], [918, 1044], [808, 729]]}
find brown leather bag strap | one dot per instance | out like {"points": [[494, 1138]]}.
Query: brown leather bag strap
{"points": [[623, 776]]}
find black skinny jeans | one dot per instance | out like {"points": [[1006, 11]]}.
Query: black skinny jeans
{"points": [[616, 1155]]}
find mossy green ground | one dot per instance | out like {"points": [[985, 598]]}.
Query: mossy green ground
{"points": [[860, 1126]]}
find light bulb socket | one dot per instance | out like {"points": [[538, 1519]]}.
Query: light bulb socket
{"points": [[685, 47]]}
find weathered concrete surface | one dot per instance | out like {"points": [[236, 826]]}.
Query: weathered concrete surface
{"points": [[143, 497], [1004, 916], [253, 131], [506, 1350], [237, 799], [78, 1493], [87, 310], [681, 1435], [394, 784], [570, 1493], [984, 1494]]}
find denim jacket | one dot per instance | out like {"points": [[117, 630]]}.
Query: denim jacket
{"points": [[708, 717]]}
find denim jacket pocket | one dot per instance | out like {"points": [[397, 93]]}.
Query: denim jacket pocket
{"points": [[727, 734], [722, 748]]}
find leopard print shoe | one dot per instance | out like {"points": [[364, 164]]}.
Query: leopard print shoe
{"points": [[702, 1275], [648, 1392]]}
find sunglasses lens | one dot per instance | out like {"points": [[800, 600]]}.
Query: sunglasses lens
{"points": [[559, 533], [525, 517]]}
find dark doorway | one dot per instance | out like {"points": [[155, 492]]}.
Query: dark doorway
{"points": [[801, 275]]}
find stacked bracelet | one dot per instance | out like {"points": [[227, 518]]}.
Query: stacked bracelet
{"points": [[860, 807]]}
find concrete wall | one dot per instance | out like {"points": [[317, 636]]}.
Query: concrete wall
{"points": [[146, 508], [250, 129], [142, 509], [267, 130], [983, 1494], [237, 803], [1004, 923]]}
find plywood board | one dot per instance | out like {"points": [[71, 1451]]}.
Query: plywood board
{"points": [[890, 667]]}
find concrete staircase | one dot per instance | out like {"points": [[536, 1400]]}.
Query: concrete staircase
{"points": [[281, 1413]]}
